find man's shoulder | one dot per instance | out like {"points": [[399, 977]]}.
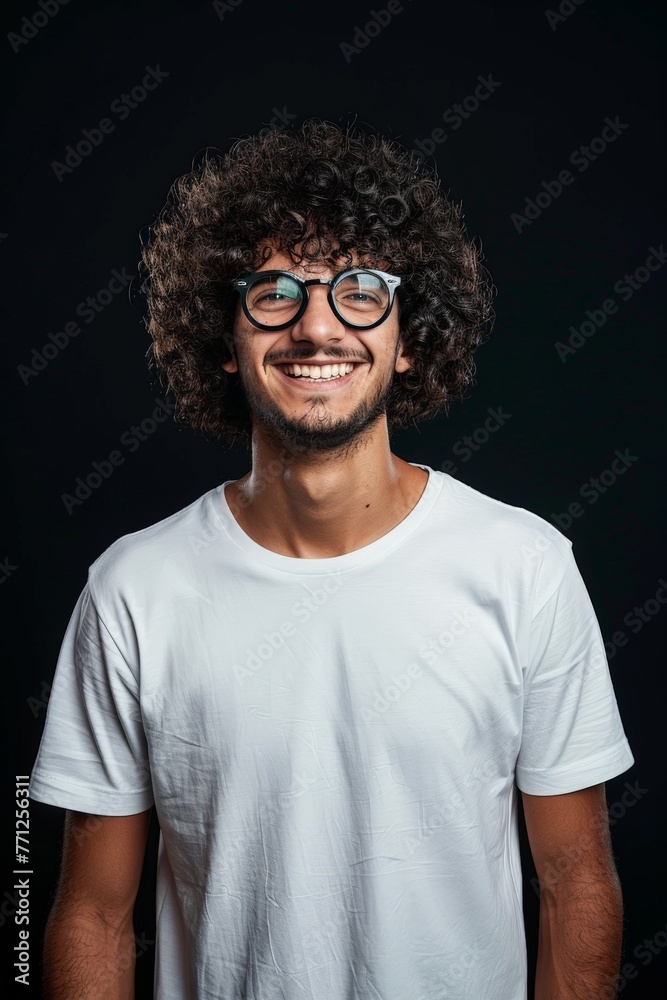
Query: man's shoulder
{"points": [[502, 541], [157, 550], [500, 524]]}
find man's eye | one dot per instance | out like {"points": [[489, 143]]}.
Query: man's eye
{"points": [[269, 297], [361, 297]]}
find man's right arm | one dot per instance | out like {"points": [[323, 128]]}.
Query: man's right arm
{"points": [[89, 949]]}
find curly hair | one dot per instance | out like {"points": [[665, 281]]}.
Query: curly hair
{"points": [[333, 192]]}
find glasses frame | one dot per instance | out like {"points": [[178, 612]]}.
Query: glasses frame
{"points": [[245, 283]]}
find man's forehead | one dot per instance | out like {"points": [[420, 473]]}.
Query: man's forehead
{"points": [[331, 262]]}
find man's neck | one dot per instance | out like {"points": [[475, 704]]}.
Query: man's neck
{"points": [[317, 506]]}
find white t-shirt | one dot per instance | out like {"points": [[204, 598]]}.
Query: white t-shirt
{"points": [[332, 744]]}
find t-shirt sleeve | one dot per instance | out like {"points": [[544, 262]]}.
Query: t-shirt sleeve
{"points": [[93, 756], [572, 733]]}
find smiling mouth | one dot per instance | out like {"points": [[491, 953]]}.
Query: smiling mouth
{"points": [[315, 374]]}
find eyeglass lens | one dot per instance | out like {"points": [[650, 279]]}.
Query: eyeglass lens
{"points": [[360, 298]]}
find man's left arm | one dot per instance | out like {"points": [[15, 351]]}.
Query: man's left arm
{"points": [[581, 908]]}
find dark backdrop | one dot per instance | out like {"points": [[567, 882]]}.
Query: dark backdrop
{"points": [[573, 368]]}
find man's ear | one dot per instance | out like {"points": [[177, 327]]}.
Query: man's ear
{"points": [[403, 361], [232, 364]]}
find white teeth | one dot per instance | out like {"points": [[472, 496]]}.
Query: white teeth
{"points": [[321, 372]]}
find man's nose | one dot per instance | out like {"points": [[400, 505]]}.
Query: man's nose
{"points": [[319, 321]]}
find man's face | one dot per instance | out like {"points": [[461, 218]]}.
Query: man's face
{"points": [[315, 416]]}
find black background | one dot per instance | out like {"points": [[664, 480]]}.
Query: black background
{"points": [[227, 77]]}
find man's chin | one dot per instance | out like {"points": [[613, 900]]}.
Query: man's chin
{"points": [[302, 437], [318, 431]]}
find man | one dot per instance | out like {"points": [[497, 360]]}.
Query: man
{"points": [[333, 676]]}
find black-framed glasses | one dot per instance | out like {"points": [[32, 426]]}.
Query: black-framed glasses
{"points": [[360, 297]]}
